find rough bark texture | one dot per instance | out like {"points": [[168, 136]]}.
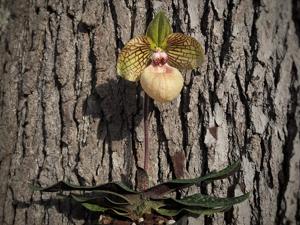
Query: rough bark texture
{"points": [[65, 115]]}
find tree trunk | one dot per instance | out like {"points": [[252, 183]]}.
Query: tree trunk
{"points": [[65, 115]]}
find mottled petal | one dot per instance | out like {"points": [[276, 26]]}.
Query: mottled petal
{"points": [[134, 58], [184, 52]]}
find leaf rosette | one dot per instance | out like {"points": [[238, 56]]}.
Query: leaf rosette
{"points": [[119, 201]]}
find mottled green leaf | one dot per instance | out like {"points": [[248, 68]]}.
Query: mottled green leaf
{"points": [[217, 175], [172, 185], [158, 29], [189, 212], [146, 206], [199, 200], [97, 208], [94, 207], [102, 197]]}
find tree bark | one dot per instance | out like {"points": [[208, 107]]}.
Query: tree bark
{"points": [[65, 115]]}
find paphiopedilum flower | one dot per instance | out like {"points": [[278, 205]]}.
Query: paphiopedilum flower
{"points": [[154, 59]]}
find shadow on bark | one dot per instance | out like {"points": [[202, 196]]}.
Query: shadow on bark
{"points": [[119, 106], [75, 211], [65, 206]]}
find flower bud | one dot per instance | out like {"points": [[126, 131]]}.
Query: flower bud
{"points": [[162, 83]]}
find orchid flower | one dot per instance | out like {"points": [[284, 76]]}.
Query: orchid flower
{"points": [[154, 59]]}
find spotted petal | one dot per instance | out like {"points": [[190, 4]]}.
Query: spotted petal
{"points": [[184, 52], [134, 58]]}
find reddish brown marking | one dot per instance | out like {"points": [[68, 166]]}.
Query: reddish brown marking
{"points": [[121, 222], [142, 179], [169, 69], [159, 58], [214, 132], [178, 160]]}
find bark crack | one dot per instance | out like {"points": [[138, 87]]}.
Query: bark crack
{"points": [[245, 102], [132, 9], [187, 16], [257, 211], [42, 111], [204, 22], [176, 25], [59, 87], [296, 17], [119, 43], [227, 34], [288, 148], [149, 12], [162, 139]]}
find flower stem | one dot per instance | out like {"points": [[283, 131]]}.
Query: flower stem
{"points": [[146, 136]]}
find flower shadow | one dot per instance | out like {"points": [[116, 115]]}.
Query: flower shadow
{"points": [[65, 206], [119, 106]]}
